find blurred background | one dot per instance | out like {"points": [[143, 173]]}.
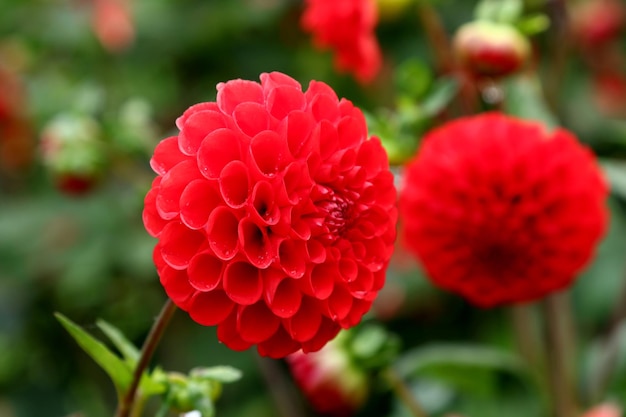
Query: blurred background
{"points": [[89, 87]]}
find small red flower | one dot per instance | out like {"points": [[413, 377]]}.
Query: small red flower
{"points": [[330, 382], [501, 210], [348, 28], [275, 214]]}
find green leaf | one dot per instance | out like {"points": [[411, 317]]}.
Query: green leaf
{"points": [[413, 78], [505, 11], [127, 349], [534, 24], [223, 373], [116, 369], [443, 91], [469, 368], [524, 99], [148, 385], [414, 361]]}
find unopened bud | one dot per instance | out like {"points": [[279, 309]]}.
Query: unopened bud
{"points": [[489, 49]]}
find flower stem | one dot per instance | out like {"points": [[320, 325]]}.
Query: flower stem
{"points": [[605, 370], [560, 354], [404, 393], [284, 395], [436, 34], [154, 336], [526, 335], [560, 48]]}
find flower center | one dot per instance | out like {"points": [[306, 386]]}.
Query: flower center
{"points": [[335, 211]]}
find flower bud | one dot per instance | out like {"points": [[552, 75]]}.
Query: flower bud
{"points": [[489, 49], [329, 380], [72, 151]]}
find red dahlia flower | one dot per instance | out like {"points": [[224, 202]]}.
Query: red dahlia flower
{"points": [[500, 210], [347, 27], [275, 214]]}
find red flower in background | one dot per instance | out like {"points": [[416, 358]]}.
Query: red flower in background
{"points": [[348, 28], [275, 214], [501, 210], [604, 410], [113, 24], [598, 22]]}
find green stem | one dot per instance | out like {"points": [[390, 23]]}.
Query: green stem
{"points": [[437, 36], [403, 392], [560, 354], [284, 395], [560, 49], [526, 335], [154, 336], [605, 370]]}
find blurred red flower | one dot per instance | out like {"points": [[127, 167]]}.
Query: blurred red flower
{"points": [[598, 22], [500, 210], [113, 24], [604, 410], [348, 28], [330, 382], [275, 214]]}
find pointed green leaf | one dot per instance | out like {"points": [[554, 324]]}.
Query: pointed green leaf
{"points": [[112, 365], [126, 348], [443, 91], [148, 386]]}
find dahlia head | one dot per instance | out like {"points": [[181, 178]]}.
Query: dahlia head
{"points": [[500, 210], [275, 214], [347, 27]]}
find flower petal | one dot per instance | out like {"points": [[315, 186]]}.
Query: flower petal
{"points": [[210, 308], [243, 283], [217, 149]]}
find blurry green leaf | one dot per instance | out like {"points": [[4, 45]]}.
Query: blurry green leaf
{"points": [[443, 91], [373, 346], [112, 365], [413, 78], [469, 368], [128, 350], [223, 373], [505, 11], [615, 171], [414, 361], [534, 24], [524, 99]]}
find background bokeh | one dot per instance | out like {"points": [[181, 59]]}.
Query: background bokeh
{"points": [[87, 255]]}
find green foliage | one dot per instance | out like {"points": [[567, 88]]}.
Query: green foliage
{"points": [[119, 372]]}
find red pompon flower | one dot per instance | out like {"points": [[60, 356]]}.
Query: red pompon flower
{"points": [[500, 210], [329, 381], [348, 28], [275, 214]]}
